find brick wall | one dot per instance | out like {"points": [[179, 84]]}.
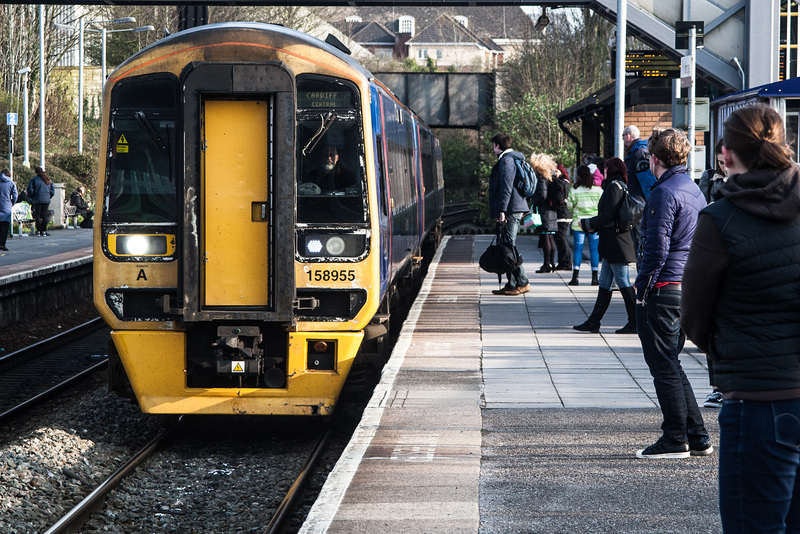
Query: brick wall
{"points": [[650, 118]]}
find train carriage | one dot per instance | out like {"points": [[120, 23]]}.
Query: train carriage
{"points": [[261, 196]]}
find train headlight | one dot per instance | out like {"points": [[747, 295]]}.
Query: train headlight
{"points": [[335, 246], [141, 244], [314, 246], [331, 245]]}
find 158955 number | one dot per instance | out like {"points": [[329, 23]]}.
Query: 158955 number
{"points": [[334, 275]]}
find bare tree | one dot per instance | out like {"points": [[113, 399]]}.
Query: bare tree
{"points": [[304, 19], [566, 60]]}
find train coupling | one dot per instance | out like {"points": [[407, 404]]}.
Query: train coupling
{"points": [[238, 351]]}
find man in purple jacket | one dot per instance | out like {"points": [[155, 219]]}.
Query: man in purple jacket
{"points": [[668, 224]]}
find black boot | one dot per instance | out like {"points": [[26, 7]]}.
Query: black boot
{"points": [[574, 281], [629, 296], [592, 324], [595, 280]]}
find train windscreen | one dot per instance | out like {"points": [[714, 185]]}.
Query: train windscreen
{"points": [[330, 176], [140, 179]]}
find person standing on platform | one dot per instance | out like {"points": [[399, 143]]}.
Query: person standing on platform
{"points": [[564, 219], [583, 200], [40, 191], [713, 179], [668, 224], [507, 207], [615, 248], [635, 152], [742, 307], [543, 200], [8, 196]]}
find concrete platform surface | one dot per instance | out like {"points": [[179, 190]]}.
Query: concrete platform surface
{"points": [[28, 253], [494, 416]]}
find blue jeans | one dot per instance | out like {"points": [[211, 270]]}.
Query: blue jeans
{"points": [[577, 258], [759, 460], [613, 272], [658, 323], [516, 278]]}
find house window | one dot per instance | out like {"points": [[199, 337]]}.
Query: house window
{"points": [[406, 24], [422, 53], [439, 54], [383, 53]]}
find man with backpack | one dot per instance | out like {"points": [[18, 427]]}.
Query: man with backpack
{"points": [[507, 206]]}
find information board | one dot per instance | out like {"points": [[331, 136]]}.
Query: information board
{"points": [[649, 64]]}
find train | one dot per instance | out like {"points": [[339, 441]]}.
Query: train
{"points": [[262, 200]]}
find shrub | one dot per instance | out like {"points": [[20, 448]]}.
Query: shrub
{"points": [[460, 165], [82, 166]]}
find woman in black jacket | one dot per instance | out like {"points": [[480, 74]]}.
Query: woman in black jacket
{"points": [[545, 168], [740, 304], [615, 248]]}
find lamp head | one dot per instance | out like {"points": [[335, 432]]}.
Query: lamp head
{"points": [[26, 70], [124, 20], [542, 21]]}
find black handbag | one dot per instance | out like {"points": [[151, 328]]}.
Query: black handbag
{"points": [[502, 255]]}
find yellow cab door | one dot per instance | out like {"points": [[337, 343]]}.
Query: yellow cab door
{"points": [[235, 187]]}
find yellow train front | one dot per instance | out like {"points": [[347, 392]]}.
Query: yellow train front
{"points": [[244, 239]]}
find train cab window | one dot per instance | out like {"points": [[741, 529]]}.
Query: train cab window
{"points": [[140, 179], [330, 160]]}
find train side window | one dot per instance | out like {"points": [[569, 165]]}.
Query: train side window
{"points": [[379, 176]]}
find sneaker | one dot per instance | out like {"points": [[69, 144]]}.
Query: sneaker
{"points": [[664, 449], [519, 290], [701, 449], [714, 400], [502, 290]]}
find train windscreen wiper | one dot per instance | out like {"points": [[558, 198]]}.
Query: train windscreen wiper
{"points": [[144, 121], [326, 122]]}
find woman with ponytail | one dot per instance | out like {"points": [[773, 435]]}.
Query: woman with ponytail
{"points": [[741, 305]]}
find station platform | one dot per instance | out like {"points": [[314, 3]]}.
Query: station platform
{"points": [[494, 416], [30, 254]]}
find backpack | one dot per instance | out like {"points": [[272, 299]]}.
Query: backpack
{"points": [[630, 210], [645, 177], [557, 192], [525, 179]]}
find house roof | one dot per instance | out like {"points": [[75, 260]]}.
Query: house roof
{"points": [[446, 29], [487, 22], [372, 32]]}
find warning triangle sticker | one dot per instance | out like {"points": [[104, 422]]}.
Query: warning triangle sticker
{"points": [[122, 140], [238, 368]]}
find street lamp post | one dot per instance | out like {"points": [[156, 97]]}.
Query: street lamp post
{"points": [[104, 32], [24, 73], [81, 28]]}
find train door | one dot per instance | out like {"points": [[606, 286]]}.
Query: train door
{"points": [[235, 197], [239, 193]]}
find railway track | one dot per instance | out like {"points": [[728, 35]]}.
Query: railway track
{"points": [[34, 374], [88, 514]]}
